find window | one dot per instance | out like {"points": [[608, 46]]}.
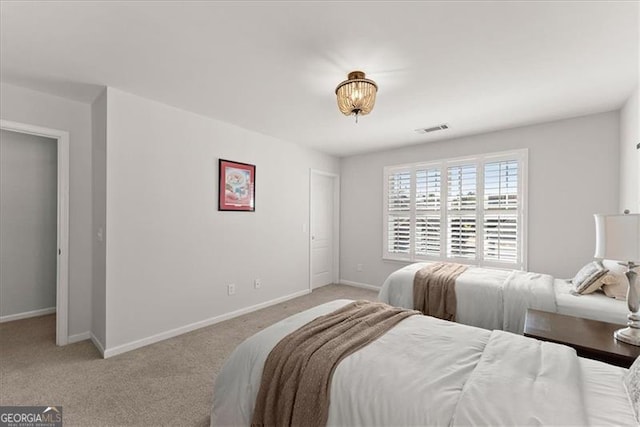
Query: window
{"points": [[469, 210]]}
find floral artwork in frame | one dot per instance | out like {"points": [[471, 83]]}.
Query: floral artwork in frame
{"points": [[236, 186]]}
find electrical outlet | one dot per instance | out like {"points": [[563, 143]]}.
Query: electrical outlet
{"points": [[359, 267], [257, 283], [231, 289]]}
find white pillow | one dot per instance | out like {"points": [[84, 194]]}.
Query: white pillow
{"points": [[586, 280], [615, 283]]}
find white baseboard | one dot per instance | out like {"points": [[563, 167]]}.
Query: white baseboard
{"points": [[78, 337], [97, 343], [27, 314], [359, 285], [109, 352]]}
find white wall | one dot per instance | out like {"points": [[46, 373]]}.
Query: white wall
{"points": [[630, 155], [573, 173], [28, 222], [170, 253], [99, 219], [36, 108]]}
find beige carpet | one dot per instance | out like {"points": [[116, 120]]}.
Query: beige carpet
{"points": [[168, 383]]}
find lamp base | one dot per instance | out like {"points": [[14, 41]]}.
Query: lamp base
{"points": [[628, 335], [631, 334]]}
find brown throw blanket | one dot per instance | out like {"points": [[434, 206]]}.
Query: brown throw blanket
{"points": [[297, 374], [434, 289]]}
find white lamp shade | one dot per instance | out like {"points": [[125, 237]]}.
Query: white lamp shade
{"points": [[618, 237]]}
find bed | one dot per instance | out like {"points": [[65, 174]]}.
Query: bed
{"points": [[427, 371], [498, 299]]}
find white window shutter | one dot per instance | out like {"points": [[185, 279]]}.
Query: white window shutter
{"points": [[427, 224], [461, 185], [398, 212], [500, 228], [399, 191], [461, 203], [399, 234], [501, 237], [427, 235], [501, 185], [461, 236]]}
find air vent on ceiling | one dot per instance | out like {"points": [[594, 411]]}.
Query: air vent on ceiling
{"points": [[433, 128]]}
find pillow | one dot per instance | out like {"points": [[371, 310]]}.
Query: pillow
{"points": [[586, 280], [631, 381], [615, 282]]}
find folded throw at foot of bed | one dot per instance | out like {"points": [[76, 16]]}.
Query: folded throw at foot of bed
{"points": [[296, 379], [434, 289]]}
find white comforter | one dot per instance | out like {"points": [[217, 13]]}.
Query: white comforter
{"points": [[486, 298], [427, 371], [498, 299]]}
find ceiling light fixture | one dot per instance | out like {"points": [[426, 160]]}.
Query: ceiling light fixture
{"points": [[356, 95]]}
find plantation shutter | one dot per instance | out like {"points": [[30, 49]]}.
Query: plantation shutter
{"points": [[399, 212], [501, 211], [461, 211], [470, 210], [427, 231]]}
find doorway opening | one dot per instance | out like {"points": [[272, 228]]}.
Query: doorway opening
{"points": [[61, 138]]}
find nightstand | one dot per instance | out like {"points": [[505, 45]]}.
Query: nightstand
{"points": [[590, 338]]}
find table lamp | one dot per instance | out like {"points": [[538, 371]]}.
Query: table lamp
{"points": [[618, 238]]}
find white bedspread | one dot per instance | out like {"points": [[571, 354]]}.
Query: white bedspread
{"points": [[498, 299], [524, 290], [535, 383], [427, 371]]}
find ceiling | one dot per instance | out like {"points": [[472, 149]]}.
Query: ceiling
{"points": [[272, 67]]}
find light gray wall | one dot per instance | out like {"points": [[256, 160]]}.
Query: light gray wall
{"points": [[28, 222], [99, 202], [170, 253], [573, 173], [36, 108], [630, 155]]}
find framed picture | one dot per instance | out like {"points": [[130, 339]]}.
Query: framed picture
{"points": [[236, 186]]}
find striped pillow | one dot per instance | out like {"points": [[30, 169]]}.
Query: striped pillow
{"points": [[586, 280]]}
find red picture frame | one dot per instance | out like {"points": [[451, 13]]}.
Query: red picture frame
{"points": [[236, 186]]}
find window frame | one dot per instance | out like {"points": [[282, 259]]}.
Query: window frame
{"points": [[519, 155]]}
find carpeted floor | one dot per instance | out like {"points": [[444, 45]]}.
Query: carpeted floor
{"points": [[168, 383]]}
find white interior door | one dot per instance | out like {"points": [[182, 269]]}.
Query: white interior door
{"points": [[323, 265]]}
